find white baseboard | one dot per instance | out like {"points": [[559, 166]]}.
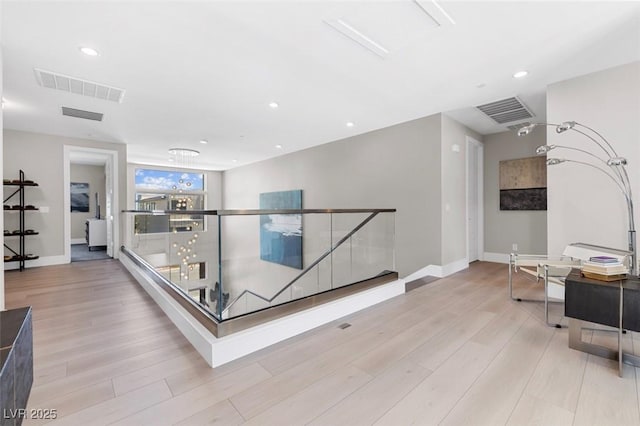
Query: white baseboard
{"points": [[438, 270], [42, 261], [496, 257], [453, 267], [78, 241], [225, 349]]}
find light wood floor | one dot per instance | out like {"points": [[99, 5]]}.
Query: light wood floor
{"points": [[453, 352]]}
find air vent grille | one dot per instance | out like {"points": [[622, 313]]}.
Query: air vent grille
{"points": [[516, 127], [506, 110], [78, 86], [79, 113]]}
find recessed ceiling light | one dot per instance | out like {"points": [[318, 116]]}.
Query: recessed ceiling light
{"points": [[234, 161], [204, 141], [89, 51], [350, 124], [279, 146], [520, 74], [273, 105]]}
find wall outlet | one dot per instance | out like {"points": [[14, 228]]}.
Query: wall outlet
{"points": [[514, 246]]}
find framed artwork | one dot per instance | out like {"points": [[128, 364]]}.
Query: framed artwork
{"points": [[523, 184], [79, 197], [281, 234]]}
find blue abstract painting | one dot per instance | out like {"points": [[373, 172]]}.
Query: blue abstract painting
{"points": [[281, 234]]}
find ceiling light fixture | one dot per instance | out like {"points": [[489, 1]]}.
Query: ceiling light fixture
{"points": [[279, 146], [89, 51], [183, 157], [273, 105], [350, 124], [204, 141], [520, 74]]}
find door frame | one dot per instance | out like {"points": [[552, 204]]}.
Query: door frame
{"points": [[111, 159], [472, 143]]}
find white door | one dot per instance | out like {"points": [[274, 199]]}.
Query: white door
{"points": [[475, 203], [108, 171]]}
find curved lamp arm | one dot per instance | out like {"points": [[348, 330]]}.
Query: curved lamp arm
{"points": [[615, 154], [544, 149], [628, 198], [555, 161]]}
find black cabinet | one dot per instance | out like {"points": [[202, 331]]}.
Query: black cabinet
{"points": [[14, 240], [16, 364]]}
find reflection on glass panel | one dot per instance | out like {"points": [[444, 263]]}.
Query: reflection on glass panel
{"points": [[178, 273], [169, 223]]}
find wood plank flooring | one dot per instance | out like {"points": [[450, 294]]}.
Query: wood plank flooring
{"points": [[456, 351]]}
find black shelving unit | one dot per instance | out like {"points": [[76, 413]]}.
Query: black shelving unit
{"points": [[20, 255]]}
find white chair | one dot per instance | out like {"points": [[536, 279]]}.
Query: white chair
{"points": [[554, 269]]}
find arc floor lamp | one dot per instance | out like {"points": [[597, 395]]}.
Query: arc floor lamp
{"points": [[610, 164]]}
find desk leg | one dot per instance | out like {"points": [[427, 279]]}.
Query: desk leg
{"points": [[620, 353], [576, 342]]}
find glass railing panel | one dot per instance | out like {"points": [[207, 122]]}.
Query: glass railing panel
{"points": [[262, 254], [187, 255], [367, 252], [233, 263]]}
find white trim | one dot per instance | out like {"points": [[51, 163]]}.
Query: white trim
{"points": [[41, 261], [78, 241], [220, 351], [496, 257], [453, 267], [110, 156], [438, 270], [480, 193]]}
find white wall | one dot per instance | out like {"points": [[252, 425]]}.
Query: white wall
{"points": [[585, 205], [396, 167], [528, 229], [95, 177], [47, 168]]}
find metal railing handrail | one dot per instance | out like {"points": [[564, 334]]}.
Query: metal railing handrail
{"points": [[253, 212]]}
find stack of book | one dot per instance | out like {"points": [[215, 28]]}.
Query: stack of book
{"points": [[604, 268]]}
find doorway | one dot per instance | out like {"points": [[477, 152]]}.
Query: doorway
{"points": [[90, 203], [475, 200]]}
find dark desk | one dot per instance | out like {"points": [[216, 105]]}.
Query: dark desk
{"points": [[615, 304]]}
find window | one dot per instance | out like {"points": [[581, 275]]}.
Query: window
{"points": [[169, 190]]}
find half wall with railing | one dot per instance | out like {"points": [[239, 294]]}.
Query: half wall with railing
{"points": [[234, 269]]}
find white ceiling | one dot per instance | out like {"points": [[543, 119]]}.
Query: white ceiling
{"points": [[208, 70]]}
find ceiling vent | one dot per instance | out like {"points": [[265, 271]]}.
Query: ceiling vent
{"points": [[78, 86], [506, 110], [516, 127], [79, 113]]}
